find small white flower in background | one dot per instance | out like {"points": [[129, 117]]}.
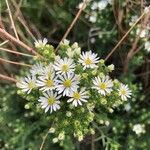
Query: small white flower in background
{"points": [[133, 20], [27, 84], [124, 92], [93, 17], [94, 6], [103, 84], [102, 4], [110, 2], [88, 60], [147, 9], [143, 32], [81, 4], [47, 83], [147, 46], [92, 40], [127, 107], [139, 128], [78, 97], [67, 83], [50, 101], [64, 65], [40, 43], [36, 69]]}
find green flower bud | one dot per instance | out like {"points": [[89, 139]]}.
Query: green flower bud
{"points": [[77, 123], [103, 101], [27, 106], [55, 140], [92, 131], [102, 61], [51, 130], [85, 75], [111, 67], [94, 72], [61, 136], [68, 114]]}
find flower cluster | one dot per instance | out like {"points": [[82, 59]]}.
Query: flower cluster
{"points": [[77, 84], [139, 129]]}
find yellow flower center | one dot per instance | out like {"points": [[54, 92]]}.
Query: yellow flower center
{"points": [[102, 86], [76, 96], [49, 83], [51, 100], [67, 83], [65, 68], [31, 85], [123, 92], [88, 61]]}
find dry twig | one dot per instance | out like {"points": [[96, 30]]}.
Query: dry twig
{"points": [[15, 63], [8, 78], [73, 22]]}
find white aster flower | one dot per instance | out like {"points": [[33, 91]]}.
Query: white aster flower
{"points": [[40, 43], [50, 101], [103, 84], [102, 4], [36, 69], [27, 84], [64, 66], [78, 97], [48, 83], [47, 71], [67, 83], [124, 92], [147, 46], [139, 128], [88, 60]]}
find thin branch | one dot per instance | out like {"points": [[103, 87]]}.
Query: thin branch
{"points": [[8, 78], [11, 19], [15, 63], [73, 22], [15, 52], [122, 39], [18, 42], [44, 139], [21, 18], [3, 43]]}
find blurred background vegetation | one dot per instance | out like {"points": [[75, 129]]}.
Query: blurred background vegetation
{"points": [[21, 128]]}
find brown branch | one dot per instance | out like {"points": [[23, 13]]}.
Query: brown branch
{"points": [[15, 63], [123, 38], [15, 52], [73, 23], [11, 19], [3, 43], [16, 41], [8, 78]]}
